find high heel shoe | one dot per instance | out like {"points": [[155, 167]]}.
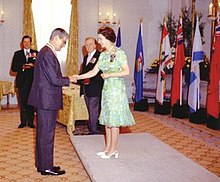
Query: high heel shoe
{"points": [[101, 153], [113, 154]]}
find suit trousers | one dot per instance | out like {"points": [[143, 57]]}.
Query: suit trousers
{"points": [[46, 124], [26, 111], [93, 106]]}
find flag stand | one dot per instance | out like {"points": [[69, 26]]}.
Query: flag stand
{"points": [[213, 123], [162, 109], [142, 105], [180, 111], [198, 117]]}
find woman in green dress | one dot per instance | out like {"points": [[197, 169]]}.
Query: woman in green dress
{"points": [[115, 110]]}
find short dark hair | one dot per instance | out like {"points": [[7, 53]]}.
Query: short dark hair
{"points": [[108, 33], [26, 37], [60, 32]]}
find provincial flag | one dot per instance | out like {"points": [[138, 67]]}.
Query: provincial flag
{"points": [[165, 58], [138, 69], [213, 88], [194, 83], [176, 90], [118, 40]]}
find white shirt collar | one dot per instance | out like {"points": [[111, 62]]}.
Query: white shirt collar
{"points": [[90, 55], [26, 50], [51, 47]]}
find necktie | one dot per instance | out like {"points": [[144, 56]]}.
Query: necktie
{"points": [[26, 55]]}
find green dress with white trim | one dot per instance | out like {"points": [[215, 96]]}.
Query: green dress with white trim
{"points": [[115, 111]]}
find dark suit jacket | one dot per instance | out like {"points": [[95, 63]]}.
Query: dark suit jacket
{"points": [[23, 77], [94, 88], [46, 90]]}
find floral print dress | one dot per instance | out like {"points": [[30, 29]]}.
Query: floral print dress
{"points": [[115, 111]]}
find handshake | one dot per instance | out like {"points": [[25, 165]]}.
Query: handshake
{"points": [[74, 78]]}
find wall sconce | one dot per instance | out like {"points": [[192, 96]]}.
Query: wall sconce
{"points": [[2, 17], [213, 9], [107, 20]]}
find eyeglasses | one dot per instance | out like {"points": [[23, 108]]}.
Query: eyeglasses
{"points": [[63, 41]]}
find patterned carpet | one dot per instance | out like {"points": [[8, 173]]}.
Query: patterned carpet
{"points": [[197, 142]]}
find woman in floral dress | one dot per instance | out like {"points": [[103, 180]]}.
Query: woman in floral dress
{"points": [[115, 110]]}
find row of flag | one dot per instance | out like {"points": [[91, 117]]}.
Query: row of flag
{"points": [[165, 57]]}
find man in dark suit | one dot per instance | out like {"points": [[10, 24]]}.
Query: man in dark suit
{"points": [[91, 88], [46, 97], [23, 64]]}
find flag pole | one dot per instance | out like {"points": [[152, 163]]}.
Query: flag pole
{"points": [[215, 14], [164, 19], [193, 18], [181, 77], [198, 86], [141, 19], [141, 23], [160, 61]]}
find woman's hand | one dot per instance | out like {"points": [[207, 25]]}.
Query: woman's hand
{"points": [[73, 78], [105, 75]]}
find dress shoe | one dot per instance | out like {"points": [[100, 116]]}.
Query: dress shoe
{"points": [[52, 172], [113, 154], [101, 153], [21, 125], [31, 125], [54, 168]]}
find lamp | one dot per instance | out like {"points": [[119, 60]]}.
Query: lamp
{"points": [[2, 17], [107, 20], [213, 9]]}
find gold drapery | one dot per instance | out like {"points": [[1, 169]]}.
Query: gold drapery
{"points": [[28, 23], [72, 54]]}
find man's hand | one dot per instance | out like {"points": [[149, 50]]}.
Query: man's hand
{"points": [[73, 78], [30, 64], [27, 66]]}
